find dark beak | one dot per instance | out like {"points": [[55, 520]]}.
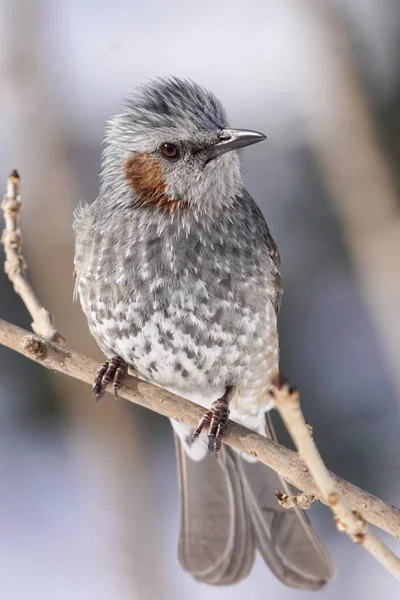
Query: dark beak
{"points": [[233, 139]]}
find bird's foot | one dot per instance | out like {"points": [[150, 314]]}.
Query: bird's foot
{"points": [[111, 370], [216, 420]]}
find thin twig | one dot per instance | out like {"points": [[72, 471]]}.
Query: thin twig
{"points": [[15, 265], [350, 521], [282, 460]]}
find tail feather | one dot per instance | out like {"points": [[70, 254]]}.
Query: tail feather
{"points": [[216, 543], [229, 510], [239, 561], [284, 537]]}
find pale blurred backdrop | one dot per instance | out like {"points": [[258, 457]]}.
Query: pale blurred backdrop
{"points": [[89, 507]]}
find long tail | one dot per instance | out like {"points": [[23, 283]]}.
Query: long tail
{"points": [[229, 510]]}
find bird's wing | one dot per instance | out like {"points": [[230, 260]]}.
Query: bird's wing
{"points": [[274, 260], [254, 221], [83, 230], [216, 543], [284, 537]]}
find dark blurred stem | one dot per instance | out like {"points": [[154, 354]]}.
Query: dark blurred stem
{"points": [[345, 140]]}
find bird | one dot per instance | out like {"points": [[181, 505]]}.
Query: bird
{"points": [[179, 278]]}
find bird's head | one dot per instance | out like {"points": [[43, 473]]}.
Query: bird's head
{"points": [[172, 149]]}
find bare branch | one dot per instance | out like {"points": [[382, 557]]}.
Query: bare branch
{"points": [[15, 265], [338, 494], [282, 460], [348, 520]]}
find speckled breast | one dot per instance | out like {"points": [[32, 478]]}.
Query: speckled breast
{"points": [[188, 311]]}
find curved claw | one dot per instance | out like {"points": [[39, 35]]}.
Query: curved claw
{"points": [[216, 419], [111, 370]]}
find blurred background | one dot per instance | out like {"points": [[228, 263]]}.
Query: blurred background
{"points": [[89, 506]]}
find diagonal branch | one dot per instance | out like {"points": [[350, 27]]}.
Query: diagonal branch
{"points": [[286, 462], [337, 493]]}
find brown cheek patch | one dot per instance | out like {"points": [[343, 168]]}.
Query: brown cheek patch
{"points": [[144, 175]]}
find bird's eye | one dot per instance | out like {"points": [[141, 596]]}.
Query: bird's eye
{"points": [[169, 151]]}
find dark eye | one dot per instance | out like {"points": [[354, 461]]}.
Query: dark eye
{"points": [[169, 151]]}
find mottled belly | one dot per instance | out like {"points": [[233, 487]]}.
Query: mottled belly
{"points": [[190, 352]]}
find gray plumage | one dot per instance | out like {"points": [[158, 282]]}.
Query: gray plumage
{"points": [[178, 274]]}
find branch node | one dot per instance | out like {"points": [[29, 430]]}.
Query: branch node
{"points": [[282, 391], [359, 536], [332, 499], [43, 325], [302, 500], [35, 346], [340, 526]]}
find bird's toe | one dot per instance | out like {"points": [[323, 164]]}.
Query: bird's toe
{"points": [[111, 370]]}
